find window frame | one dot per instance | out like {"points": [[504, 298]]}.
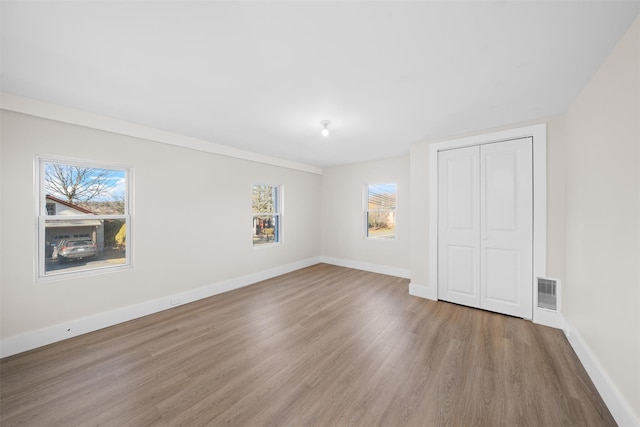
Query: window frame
{"points": [[367, 211], [278, 207], [42, 217]]}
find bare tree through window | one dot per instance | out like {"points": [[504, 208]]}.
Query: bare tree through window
{"points": [[78, 183], [83, 217]]}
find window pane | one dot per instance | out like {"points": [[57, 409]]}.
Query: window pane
{"points": [[266, 221], [264, 199], [75, 190], [84, 244], [381, 215], [382, 196], [265, 229], [381, 224]]}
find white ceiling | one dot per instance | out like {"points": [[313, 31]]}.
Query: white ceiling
{"points": [[260, 76]]}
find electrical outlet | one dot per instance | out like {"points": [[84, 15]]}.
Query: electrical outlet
{"points": [[176, 301]]}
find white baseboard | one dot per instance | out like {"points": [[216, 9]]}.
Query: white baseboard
{"points": [[41, 337], [618, 406], [614, 400], [612, 397], [422, 291], [374, 268], [553, 319]]}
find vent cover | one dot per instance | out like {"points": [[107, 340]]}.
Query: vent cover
{"points": [[548, 293]]}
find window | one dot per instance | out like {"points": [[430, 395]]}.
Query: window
{"points": [[381, 211], [266, 214], [84, 220]]}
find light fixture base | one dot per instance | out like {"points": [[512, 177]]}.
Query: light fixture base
{"points": [[325, 127]]}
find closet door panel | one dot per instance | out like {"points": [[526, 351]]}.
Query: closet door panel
{"points": [[501, 273], [506, 248], [485, 226], [460, 271], [459, 226]]}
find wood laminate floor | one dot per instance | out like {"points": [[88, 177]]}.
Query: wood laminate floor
{"points": [[324, 346]]}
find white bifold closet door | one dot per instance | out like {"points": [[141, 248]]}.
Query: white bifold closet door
{"points": [[485, 226]]}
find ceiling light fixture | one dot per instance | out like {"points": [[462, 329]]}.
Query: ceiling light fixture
{"points": [[325, 127]]}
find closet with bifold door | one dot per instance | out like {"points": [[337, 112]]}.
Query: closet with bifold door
{"points": [[485, 226]]}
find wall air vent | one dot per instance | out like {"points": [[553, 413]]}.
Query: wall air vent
{"points": [[548, 293]]}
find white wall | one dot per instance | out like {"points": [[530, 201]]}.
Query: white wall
{"points": [[343, 223], [192, 223], [603, 218]]}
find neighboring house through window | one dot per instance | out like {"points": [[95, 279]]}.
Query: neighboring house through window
{"points": [[51, 208], [83, 217], [380, 211], [266, 214]]}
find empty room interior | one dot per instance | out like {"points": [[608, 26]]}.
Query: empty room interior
{"points": [[320, 213]]}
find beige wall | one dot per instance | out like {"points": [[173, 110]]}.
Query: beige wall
{"points": [[343, 223], [593, 218], [192, 222], [603, 216], [419, 256]]}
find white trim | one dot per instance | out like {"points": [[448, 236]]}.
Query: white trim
{"points": [[422, 291], [546, 317], [539, 134], [550, 318], [365, 202], [30, 340], [62, 114], [374, 268], [277, 213], [615, 401], [41, 217]]}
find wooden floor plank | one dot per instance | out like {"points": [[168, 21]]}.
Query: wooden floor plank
{"points": [[321, 346]]}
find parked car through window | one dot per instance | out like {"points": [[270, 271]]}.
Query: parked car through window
{"points": [[68, 250], [83, 214]]}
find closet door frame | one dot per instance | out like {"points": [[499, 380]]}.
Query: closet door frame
{"points": [[539, 135]]}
